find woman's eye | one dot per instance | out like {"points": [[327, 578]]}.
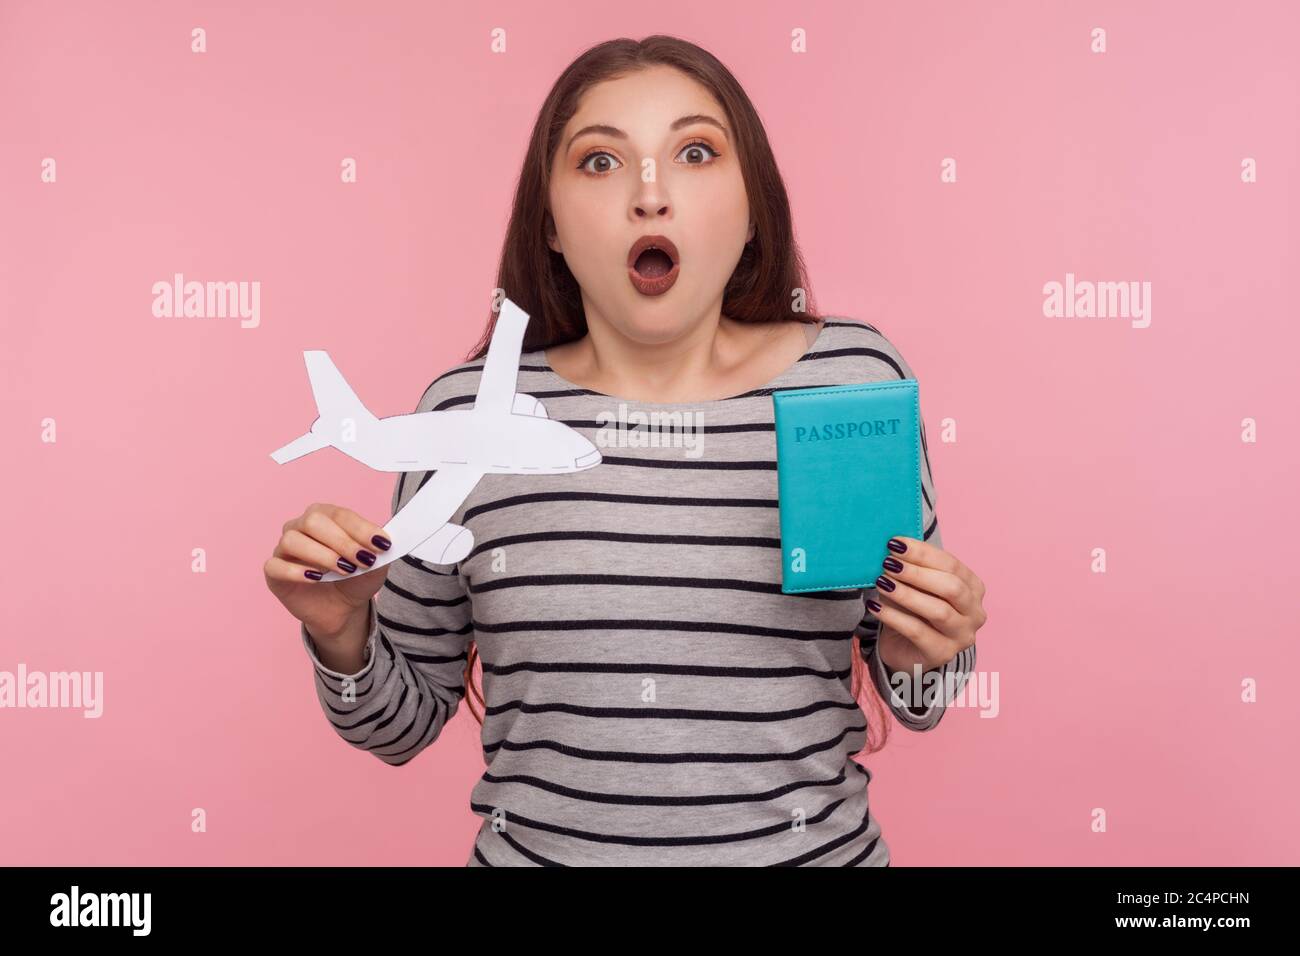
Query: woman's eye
{"points": [[696, 150], [697, 153], [603, 168]]}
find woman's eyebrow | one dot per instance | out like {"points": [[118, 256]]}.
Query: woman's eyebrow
{"points": [[607, 130]]}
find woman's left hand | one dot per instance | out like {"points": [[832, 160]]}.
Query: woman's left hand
{"points": [[933, 611]]}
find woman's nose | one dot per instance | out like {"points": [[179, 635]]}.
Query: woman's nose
{"points": [[651, 199], [651, 208]]}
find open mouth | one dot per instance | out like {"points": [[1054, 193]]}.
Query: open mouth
{"points": [[653, 264]]}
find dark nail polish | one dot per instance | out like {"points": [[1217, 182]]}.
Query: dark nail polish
{"points": [[884, 583], [347, 565], [380, 542], [897, 546], [875, 608], [893, 564], [365, 557], [314, 575]]}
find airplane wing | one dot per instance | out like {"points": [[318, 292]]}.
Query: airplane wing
{"points": [[423, 516], [496, 389]]}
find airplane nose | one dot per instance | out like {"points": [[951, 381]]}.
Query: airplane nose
{"points": [[586, 461]]}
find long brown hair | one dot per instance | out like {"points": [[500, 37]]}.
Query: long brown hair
{"points": [[769, 282]]}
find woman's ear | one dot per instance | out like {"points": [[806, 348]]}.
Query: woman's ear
{"points": [[552, 240], [750, 237]]}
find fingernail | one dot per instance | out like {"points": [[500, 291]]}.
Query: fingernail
{"points": [[893, 564], [314, 575], [365, 557], [347, 565], [896, 546], [875, 608], [380, 542], [884, 583]]}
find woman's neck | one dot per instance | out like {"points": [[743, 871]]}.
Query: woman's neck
{"points": [[727, 358]]}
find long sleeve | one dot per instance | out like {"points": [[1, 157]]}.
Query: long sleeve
{"points": [[413, 678], [914, 718], [868, 631]]}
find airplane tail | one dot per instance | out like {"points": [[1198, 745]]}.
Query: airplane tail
{"points": [[303, 445], [336, 403]]}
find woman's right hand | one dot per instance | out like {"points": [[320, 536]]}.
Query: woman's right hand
{"points": [[314, 542]]}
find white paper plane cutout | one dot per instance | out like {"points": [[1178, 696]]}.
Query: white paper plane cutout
{"points": [[505, 433]]}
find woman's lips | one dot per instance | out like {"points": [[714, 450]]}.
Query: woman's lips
{"points": [[657, 285]]}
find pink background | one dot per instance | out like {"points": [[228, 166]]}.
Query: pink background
{"points": [[1119, 691]]}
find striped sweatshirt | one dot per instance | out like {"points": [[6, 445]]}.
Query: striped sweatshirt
{"points": [[651, 697]]}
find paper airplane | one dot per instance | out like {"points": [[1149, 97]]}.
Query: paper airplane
{"points": [[505, 433]]}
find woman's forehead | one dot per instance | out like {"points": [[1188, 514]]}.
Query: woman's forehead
{"points": [[648, 101]]}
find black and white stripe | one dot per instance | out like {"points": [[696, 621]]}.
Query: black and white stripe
{"points": [[652, 696]]}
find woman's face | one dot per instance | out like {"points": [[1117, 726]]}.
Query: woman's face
{"points": [[647, 172]]}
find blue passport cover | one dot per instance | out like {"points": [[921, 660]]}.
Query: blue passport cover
{"points": [[848, 468]]}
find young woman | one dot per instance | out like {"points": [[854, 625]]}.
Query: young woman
{"points": [[650, 696]]}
